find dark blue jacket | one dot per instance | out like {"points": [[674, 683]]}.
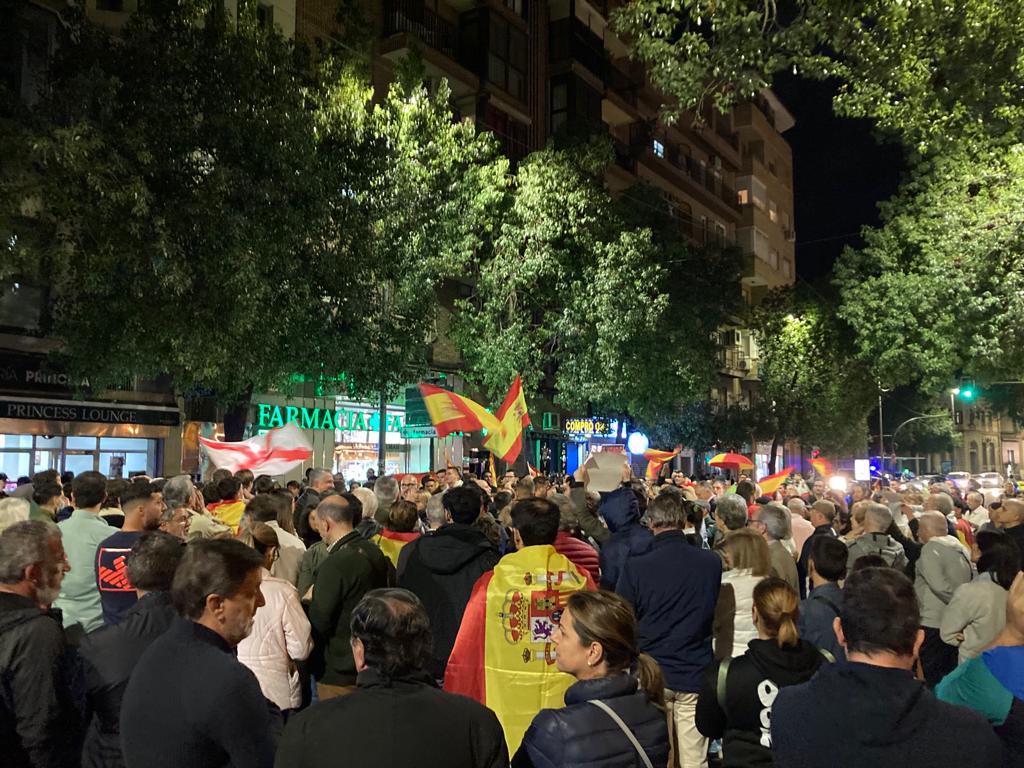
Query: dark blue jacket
{"points": [[628, 537], [817, 614], [805, 554], [673, 588], [583, 736]]}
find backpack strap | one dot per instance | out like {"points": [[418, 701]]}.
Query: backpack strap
{"points": [[828, 655], [625, 729], [720, 685], [826, 601]]}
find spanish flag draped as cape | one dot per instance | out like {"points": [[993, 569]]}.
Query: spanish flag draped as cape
{"points": [[391, 543], [503, 655]]}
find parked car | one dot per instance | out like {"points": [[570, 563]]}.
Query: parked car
{"points": [[992, 485]]}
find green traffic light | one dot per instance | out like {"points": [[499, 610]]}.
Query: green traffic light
{"points": [[967, 394]]}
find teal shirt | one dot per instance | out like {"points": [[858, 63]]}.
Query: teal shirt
{"points": [[973, 685], [79, 597]]}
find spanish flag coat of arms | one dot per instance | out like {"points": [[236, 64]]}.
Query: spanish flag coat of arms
{"points": [[504, 656]]}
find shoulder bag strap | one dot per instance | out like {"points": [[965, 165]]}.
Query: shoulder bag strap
{"points": [[720, 685], [625, 729], [828, 655]]}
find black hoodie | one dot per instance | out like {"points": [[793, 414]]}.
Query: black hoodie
{"points": [[753, 681], [441, 569], [39, 723], [857, 715]]}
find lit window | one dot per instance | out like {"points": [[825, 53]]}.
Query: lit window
{"points": [[659, 148], [773, 211], [744, 196]]}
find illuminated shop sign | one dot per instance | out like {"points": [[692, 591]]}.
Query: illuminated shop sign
{"points": [[595, 427], [340, 419]]}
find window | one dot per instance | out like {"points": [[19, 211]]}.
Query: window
{"points": [[511, 134], [684, 213], [786, 268], [506, 59], [754, 191], [720, 233], [265, 17], [743, 195], [773, 211], [773, 258], [704, 229], [659, 148], [559, 105], [785, 221]]}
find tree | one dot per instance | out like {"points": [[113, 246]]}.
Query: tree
{"points": [[812, 388], [582, 294], [263, 214], [933, 75], [938, 290]]}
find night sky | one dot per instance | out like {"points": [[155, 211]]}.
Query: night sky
{"points": [[840, 174]]}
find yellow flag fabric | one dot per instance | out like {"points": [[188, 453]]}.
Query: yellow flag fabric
{"points": [[507, 633]]}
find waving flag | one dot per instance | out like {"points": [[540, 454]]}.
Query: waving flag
{"points": [[771, 483], [391, 543], [822, 466], [513, 418], [504, 656], [454, 413], [655, 460], [450, 412], [273, 453]]}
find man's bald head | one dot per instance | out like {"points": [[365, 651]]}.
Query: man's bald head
{"points": [[940, 502], [1011, 513]]}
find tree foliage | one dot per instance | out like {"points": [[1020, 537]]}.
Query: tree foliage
{"points": [[210, 205], [932, 72], [939, 289], [592, 297]]}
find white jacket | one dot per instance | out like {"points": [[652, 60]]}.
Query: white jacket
{"points": [[743, 582], [280, 635], [978, 611]]}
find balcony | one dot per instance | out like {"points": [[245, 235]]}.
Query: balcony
{"points": [[411, 17]]}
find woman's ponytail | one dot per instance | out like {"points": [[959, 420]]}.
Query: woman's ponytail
{"points": [[649, 675], [778, 608]]}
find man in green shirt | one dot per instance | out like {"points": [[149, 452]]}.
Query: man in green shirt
{"points": [[82, 533]]}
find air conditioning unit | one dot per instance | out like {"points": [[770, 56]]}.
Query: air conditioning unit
{"points": [[743, 365]]}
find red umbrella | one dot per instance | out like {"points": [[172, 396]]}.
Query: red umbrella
{"points": [[735, 461]]}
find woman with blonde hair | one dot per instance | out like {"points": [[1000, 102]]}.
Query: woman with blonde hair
{"points": [[748, 561], [736, 696], [281, 634], [614, 713]]}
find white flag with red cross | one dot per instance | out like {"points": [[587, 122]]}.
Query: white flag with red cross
{"points": [[273, 453]]}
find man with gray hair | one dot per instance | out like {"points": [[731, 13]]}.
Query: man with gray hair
{"points": [[731, 513], [978, 513], [37, 712], [876, 539], [387, 491], [435, 513], [802, 528], [942, 567], [772, 522], [673, 587], [320, 485]]}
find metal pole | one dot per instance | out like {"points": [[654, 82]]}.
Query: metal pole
{"points": [[881, 438], [382, 436]]}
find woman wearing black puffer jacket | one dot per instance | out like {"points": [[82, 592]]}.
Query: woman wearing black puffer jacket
{"points": [[611, 718], [735, 704]]}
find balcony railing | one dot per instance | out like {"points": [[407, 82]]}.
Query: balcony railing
{"points": [[415, 18]]}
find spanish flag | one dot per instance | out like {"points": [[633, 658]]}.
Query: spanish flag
{"points": [[822, 466], [454, 413], [513, 418], [391, 543], [503, 655], [655, 460], [771, 483]]}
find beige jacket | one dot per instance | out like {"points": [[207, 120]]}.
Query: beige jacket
{"points": [[977, 612]]}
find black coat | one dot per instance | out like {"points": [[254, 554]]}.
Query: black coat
{"points": [[307, 501], [752, 682], [191, 704], [673, 589], [108, 657], [856, 715], [39, 723], [580, 735], [805, 555], [441, 569], [621, 512], [394, 724]]}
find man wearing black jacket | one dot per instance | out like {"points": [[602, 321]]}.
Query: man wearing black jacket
{"points": [[396, 717], [321, 485], [442, 568], [887, 718], [110, 654], [38, 719]]}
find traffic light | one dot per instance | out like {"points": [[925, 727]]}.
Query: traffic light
{"points": [[967, 393]]}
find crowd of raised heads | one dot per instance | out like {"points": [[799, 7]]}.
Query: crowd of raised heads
{"points": [[449, 619]]}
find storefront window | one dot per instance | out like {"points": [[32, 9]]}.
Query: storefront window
{"points": [[113, 456], [81, 443]]}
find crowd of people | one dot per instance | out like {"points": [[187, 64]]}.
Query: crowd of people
{"points": [[442, 619]]}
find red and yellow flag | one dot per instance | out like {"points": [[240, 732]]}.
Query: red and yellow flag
{"points": [[655, 460], [513, 418], [454, 413], [391, 543], [503, 655], [822, 466], [771, 483]]}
